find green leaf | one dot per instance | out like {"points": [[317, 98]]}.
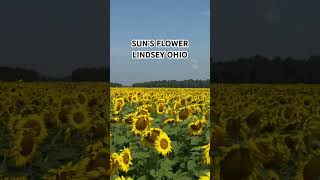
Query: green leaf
{"points": [[191, 165]]}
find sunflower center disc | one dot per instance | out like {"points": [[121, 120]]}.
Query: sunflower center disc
{"points": [[126, 158], [27, 144], [78, 117], [34, 126], [141, 124], [195, 127], [183, 114], [163, 143]]}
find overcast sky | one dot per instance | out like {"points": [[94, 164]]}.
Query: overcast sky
{"points": [[165, 19], [268, 27], [53, 37]]}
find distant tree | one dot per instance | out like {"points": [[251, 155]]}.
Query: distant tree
{"points": [[175, 84], [259, 69], [16, 74]]}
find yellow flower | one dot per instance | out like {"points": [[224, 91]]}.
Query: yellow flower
{"points": [[205, 177], [123, 178], [163, 144], [79, 119], [183, 114], [24, 147], [35, 125], [126, 160], [195, 128], [141, 123], [160, 108], [168, 120], [115, 160], [150, 136], [206, 154], [134, 98], [128, 118]]}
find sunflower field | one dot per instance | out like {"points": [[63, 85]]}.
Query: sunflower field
{"points": [[266, 132], [53, 131], [160, 133]]}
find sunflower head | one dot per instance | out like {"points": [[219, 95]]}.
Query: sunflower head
{"points": [[79, 119], [115, 161], [150, 136], [128, 119], [36, 126], [161, 108], [126, 159], [141, 123], [195, 128], [206, 154], [163, 144], [206, 176], [183, 114], [24, 147]]}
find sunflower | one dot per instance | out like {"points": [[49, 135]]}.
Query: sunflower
{"points": [[35, 125], [64, 114], [160, 108], [120, 101], [141, 123], [150, 136], [79, 119], [142, 111], [115, 119], [49, 118], [163, 144], [123, 178], [118, 105], [128, 118], [24, 147], [206, 115], [206, 154], [183, 114], [177, 105], [205, 177], [168, 120], [126, 159], [194, 109], [115, 160], [195, 128], [134, 98], [169, 111]]}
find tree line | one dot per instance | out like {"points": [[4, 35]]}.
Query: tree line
{"points": [[96, 74], [259, 69], [175, 84]]}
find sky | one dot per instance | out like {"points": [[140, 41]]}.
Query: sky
{"points": [[153, 19], [267, 27], [52, 37]]}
